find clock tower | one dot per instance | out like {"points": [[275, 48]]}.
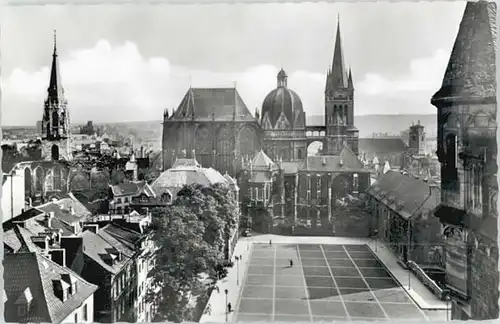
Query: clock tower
{"points": [[339, 105]]}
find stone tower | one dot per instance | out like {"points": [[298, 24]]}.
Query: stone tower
{"points": [[339, 104], [416, 139], [56, 133]]}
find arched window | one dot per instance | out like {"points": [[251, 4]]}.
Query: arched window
{"points": [[28, 182], [57, 178], [38, 180], [451, 150], [55, 123], [55, 152]]}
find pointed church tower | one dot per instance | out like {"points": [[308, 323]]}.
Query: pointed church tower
{"points": [[339, 104], [56, 131]]}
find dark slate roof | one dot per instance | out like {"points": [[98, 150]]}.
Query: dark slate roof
{"points": [[394, 188], [381, 145], [110, 238], [132, 188], [217, 103], [33, 271], [346, 161], [471, 70], [283, 100]]}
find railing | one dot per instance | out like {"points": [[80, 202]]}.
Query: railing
{"points": [[428, 282]]}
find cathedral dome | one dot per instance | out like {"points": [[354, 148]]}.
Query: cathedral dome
{"points": [[282, 107]]}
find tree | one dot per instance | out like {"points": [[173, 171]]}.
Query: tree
{"points": [[192, 236]]}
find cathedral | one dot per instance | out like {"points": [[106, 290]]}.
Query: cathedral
{"points": [[267, 151]]}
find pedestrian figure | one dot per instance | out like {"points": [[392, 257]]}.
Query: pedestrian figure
{"points": [[229, 307], [270, 242], [217, 288], [291, 263]]}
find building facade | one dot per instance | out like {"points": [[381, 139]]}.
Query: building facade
{"points": [[402, 212], [467, 150], [212, 125]]}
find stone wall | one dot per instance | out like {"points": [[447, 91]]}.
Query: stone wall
{"points": [[484, 278]]}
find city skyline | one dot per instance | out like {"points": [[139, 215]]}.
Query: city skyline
{"points": [[396, 79]]}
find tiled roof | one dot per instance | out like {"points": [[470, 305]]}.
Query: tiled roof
{"points": [[172, 180], [346, 161], [395, 188], [185, 162], [381, 145], [97, 248], [132, 189], [262, 161], [33, 271], [124, 189], [221, 103], [471, 70]]}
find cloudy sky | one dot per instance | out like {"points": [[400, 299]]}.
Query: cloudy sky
{"points": [[125, 63]]}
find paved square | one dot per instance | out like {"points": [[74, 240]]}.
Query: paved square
{"points": [[325, 283]]}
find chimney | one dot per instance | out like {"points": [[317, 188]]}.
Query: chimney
{"points": [[91, 227], [58, 256], [71, 210], [49, 218], [142, 147], [41, 241]]}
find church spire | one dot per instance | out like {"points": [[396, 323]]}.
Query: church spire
{"points": [[55, 90], [339, 74]]}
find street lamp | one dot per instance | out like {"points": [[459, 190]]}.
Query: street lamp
{"points": [[237, 270], [226, 291]]}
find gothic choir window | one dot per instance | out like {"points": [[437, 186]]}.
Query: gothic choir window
{"points": [[346, 114], [251, 194], [38, 179], [57, 178], [259, 194]]}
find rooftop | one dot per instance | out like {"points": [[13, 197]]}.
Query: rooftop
{"points": [[36, 274]]}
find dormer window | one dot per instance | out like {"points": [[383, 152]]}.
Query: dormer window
{"points": [[61, 289], [72, 282], [23, 302]]}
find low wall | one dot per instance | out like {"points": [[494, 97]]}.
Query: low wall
{"points": [[424, 278]]}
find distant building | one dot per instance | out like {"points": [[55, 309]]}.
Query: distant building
{"points": [[37, 289], [467, 150], [402, 209], [124, 196], [391, 149], [417, 139]]}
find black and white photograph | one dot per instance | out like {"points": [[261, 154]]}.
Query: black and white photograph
{"points": [[249, 162]]}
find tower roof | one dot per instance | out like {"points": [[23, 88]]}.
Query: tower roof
{"points": [[55, 89], [338, 77], [471, 70]]}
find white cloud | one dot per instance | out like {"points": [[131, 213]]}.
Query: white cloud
{"points": [[424, 76], [113, 83]]}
